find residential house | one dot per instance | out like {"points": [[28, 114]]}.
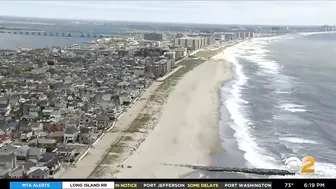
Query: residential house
{"points": [[52, 161], [7, 149], [72, 107], [125, 98], [123, 85], [53, 127], [46, 157], [17, 173], [54, 165], [14, 100], [24, 125], [34, 111], [70, 134], [86, 120], [36, 127], [60, 104], [36, 153], [2, 119], [22, 153], [67, 153], [3, 136], [102, 121], [7, 164], [28, 164], [15, 134], [68, 79], [47, 111], [38, 172], [85, 135], [4, 107], [111, 112], [48, 143], [4, 173], [41, 135], [73, 116], [57, 136], [29, 117], [56, 113], [26, 135]]}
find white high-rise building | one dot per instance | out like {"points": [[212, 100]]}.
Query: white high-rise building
{"points": [[192, 42]]}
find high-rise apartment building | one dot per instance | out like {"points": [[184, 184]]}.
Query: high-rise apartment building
{"points": [[192, 42], [153, 36]]}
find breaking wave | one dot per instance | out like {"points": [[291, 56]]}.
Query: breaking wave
{"points": [[256, 156]]}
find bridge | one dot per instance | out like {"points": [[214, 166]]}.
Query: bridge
{"points": [[57, 34]]}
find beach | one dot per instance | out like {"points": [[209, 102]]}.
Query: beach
{"points": [[183, 129], [187, 132]]}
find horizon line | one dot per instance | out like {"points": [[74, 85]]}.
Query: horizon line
{"points": [[158, 22]]}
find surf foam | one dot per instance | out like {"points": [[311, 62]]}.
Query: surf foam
{"points": [[297, 140], [254, 155], [293, 107], [242, 125]]}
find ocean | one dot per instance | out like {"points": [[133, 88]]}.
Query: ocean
{"points": [[280, 104], [12, 41]]}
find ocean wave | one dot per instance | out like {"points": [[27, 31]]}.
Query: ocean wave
{"points": [[322, 170], [282, 92], [291, 119], [257, 54], [293, 107], [315, 33], [255, 156], [257, 48], [267, 66], [297, 140]]}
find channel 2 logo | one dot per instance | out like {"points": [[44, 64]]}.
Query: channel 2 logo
{"points": [[306, 166]]}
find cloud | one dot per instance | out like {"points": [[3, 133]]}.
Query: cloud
{"points": [[216, 12]]}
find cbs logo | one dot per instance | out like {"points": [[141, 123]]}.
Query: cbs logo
{"points": [[295, 165]]}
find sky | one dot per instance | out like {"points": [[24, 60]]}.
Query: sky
{"points": [[179, 11]]}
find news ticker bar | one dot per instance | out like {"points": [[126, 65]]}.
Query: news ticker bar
{"points": [[140, 185], [195, 184]]}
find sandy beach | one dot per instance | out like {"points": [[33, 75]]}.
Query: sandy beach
{"points": [[184, 131], [187, 132]]}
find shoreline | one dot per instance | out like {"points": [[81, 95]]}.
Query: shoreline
{"points": [[246, 145], [235, 145], [81, 41], [143, 156], [233, 151], [233, 157], [187, 132]]}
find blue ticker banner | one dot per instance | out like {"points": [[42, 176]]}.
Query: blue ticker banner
{"points": [[35, 185]]}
